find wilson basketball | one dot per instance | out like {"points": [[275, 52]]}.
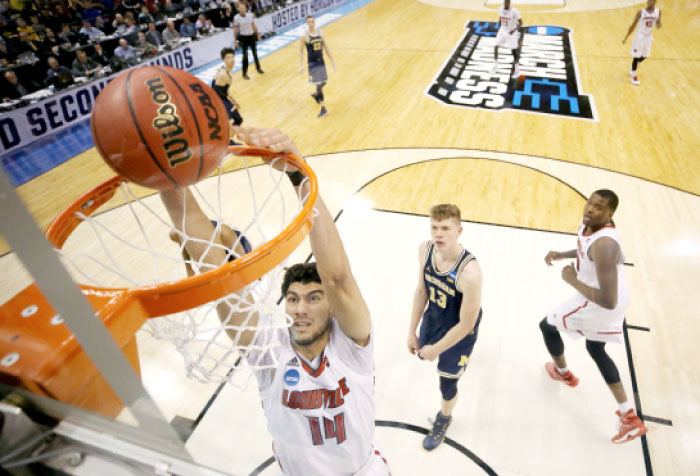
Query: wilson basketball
{"points": [[160, 127]]}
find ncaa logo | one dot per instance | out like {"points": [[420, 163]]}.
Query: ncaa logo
{"points": [[291, 377]]}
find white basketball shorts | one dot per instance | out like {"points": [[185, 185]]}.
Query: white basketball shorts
{"points": [[507, 40], [579, 317], [641, 46]]}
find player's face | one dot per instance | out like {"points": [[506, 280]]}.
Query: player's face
{"points": [[311, 22], [229, 59], [506, 4], [445, 233], [651, 4], [596, 213], [310, 311]]}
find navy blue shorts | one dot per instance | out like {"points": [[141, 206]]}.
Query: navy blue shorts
{"points": [[453, 362], [247, 248], [317, 72]]}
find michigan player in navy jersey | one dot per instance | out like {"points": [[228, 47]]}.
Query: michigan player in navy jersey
{"points": [[221, 84], [448, 301], [313, 42]]}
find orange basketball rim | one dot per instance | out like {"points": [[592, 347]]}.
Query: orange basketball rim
{"points": [[49, 360]]}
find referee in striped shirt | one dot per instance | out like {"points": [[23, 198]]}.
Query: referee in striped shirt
{"points": [[245, 32]]}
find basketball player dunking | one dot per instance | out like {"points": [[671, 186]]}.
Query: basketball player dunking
{"points": [[315, 44], [508, 36], [449, 283], [597, 310], [641, 45], [318, 394]]}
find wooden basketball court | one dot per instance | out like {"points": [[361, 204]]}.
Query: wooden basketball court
{"points": [[388, 151]]}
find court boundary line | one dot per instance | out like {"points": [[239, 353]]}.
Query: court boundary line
{"points": [[410, 427], [426, 147]]}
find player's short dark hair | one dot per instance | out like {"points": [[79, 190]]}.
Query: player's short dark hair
{"points": [[309, 16], [226, 51], [303, 273], [610, 196]]}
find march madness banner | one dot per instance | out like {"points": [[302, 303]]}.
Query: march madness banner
{"points": [[548, 82]]}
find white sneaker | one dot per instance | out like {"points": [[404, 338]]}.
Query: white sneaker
{"points": [[494, 67], [516, 72], [634, 80]]}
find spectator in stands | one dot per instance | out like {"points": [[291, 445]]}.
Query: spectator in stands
{"points": [[201, 22], [84, 66], [118, 24], [14, 89], [36, 25], [66, 35], [125, 51], [90, 31], [22, 27], [101, 25], [7, 55], [169, 8], [91, 10], [107, 6], [50, 45], [157, 13], [49, 18], [132, 29], [27, 45], [187, 28], [170, 33], [153, 35], [145, 16], [55, 68], [99, 55], [144, 47]]}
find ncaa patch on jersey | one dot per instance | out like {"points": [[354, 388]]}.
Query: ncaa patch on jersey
{"points": [[291, 377], [548, 82]]}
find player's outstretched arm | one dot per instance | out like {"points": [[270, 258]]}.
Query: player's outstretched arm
{"points": [[658, 22], [420, 300], [605, 253], [634, 24], [347, 304], [469, 283], [197, 232], [557, 255]]}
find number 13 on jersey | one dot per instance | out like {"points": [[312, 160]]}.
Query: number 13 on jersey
{"points": [[438, 297]]}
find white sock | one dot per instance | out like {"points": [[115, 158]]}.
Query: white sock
{"points": [[563, 371], [625, 407]]}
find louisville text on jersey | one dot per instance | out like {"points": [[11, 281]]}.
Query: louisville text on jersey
{"points": [[317, 398]]}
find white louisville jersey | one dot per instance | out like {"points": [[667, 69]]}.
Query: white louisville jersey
{"points": [[509, 18], [322, 421], [586, 267], [647, 22]]}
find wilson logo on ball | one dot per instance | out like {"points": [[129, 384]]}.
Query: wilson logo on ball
{"points": [[167, 123], [160, 127], [209, 111]]}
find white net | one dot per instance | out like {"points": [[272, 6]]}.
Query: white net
{"points": [[131, 242]]}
